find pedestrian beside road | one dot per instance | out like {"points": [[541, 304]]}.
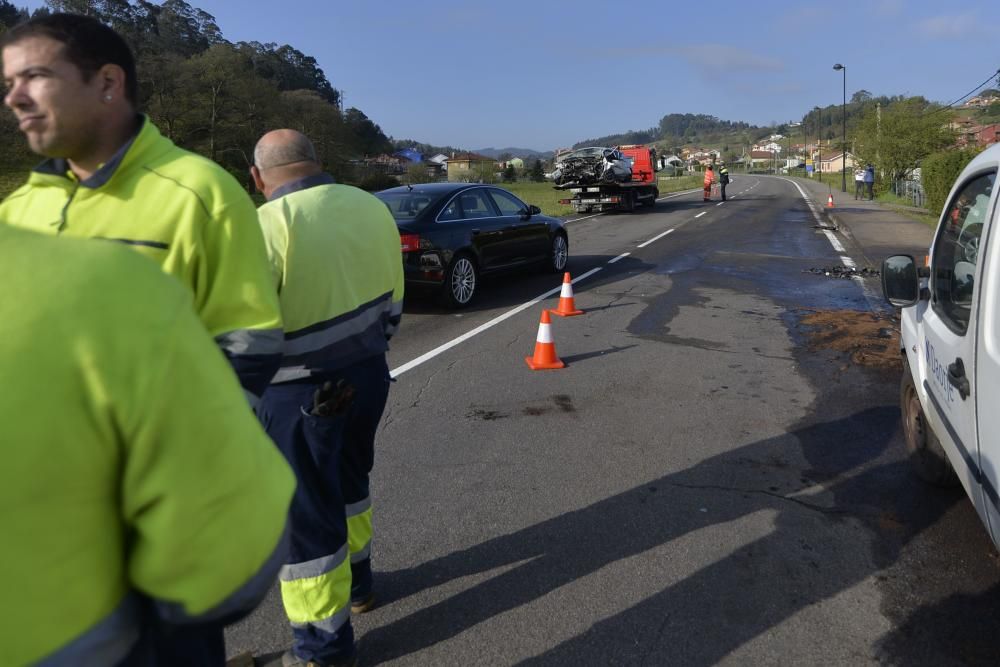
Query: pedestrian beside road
{"points": [[336, 264], [139, 493], [723, 179], [870, 181], [709, 179], [109, 174], [859, 183]]}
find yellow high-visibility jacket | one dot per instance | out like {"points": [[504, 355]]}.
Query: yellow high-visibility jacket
{"points": [[130, 462], [189, 216], [336, 263]]}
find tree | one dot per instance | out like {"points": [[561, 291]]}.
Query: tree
{"points": [[509, 174], [483, 172], [290, 69], [537, 174], [10, 15], [417, 173], [861, 97], [907, 132], [370, 140]]}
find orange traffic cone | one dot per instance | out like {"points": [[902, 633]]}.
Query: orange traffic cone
{"points": [[545, 350], [829, 200], [567, 305]]}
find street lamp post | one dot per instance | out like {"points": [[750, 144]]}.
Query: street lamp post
{"points": [[843, 154]]}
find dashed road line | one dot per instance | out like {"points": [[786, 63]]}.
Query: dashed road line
{"points": [[427, 356], [655, 238]]}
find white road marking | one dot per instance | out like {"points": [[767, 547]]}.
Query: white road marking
{"points": [[655, 238], [427, 356], [679, 194], [873, 300], [586, 217], [396, 372], [720, 203]]}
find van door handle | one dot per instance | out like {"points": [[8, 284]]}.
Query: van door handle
{"points": [[957, 379]]}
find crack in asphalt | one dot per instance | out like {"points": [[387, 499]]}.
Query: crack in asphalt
{"points": [[430, 378], [803, 503]]}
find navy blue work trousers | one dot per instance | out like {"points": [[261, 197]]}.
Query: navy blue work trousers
{"points": [[332, 458]]}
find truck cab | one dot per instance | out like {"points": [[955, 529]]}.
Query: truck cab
{"points": [[950, 342]]}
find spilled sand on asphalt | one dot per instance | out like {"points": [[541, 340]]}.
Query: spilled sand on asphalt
{"points": [[866, 338]]}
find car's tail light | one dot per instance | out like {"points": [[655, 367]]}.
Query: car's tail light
{"points": [[409, 242]]}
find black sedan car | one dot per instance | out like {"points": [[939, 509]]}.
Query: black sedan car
{"points": [[453, 233]]}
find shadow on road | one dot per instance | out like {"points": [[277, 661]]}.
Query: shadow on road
{"points": [[726, 604], [512, 289]]}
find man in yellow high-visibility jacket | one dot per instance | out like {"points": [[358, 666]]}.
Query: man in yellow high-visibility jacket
{"points": [[71, 82], [337, 267], [139, 495]]}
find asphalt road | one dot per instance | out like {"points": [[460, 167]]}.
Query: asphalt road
{"points": [[698, 486]]}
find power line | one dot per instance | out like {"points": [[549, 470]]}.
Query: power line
{"points": [[995, 75]]}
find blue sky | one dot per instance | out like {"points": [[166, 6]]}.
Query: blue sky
{"points": [[547, 73]]}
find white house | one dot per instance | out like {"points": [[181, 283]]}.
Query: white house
{"points": [[770, 147], [440, 159]]}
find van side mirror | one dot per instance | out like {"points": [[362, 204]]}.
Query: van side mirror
{"points": [[900, 282]]}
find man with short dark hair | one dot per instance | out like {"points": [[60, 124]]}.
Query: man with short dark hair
{"points": [[336, 264], [109, 174]]}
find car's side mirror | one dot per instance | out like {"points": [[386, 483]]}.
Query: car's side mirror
{"points": [[900, 282], [533, 210]]}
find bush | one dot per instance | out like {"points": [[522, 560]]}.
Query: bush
{"points": [[938, 173], [376, 182]]}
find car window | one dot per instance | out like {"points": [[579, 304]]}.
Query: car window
{"points": [[507, 203], [453, 211], [475, 204], [956, 252], [405, 205]]}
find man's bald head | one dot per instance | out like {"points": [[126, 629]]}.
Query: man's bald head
{"points": [[282, 156], [279, 148]]}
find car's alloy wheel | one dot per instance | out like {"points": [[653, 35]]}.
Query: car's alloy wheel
{"points": [[461, 282], [560, 254]]}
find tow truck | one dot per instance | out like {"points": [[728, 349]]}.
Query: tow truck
{"points": [[617, 195]]}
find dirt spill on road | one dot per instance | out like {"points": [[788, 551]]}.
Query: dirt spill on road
{"points": [[866, 338]]}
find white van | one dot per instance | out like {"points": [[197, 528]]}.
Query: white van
{"points": [[950, 323]]}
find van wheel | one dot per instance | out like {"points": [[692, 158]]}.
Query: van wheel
{"points": [[926, 455]]}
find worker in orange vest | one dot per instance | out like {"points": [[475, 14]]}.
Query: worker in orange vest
{"points": [[709, 179]]}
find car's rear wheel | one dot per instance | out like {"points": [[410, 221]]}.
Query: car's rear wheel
{"points": [[460, 281], [558, 255], [927, 457]]}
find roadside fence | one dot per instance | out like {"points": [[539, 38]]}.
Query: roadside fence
{"points": [[910, 190]]}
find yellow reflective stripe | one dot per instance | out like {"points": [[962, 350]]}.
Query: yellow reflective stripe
{"points": [[313, 600], [359, 533]]}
